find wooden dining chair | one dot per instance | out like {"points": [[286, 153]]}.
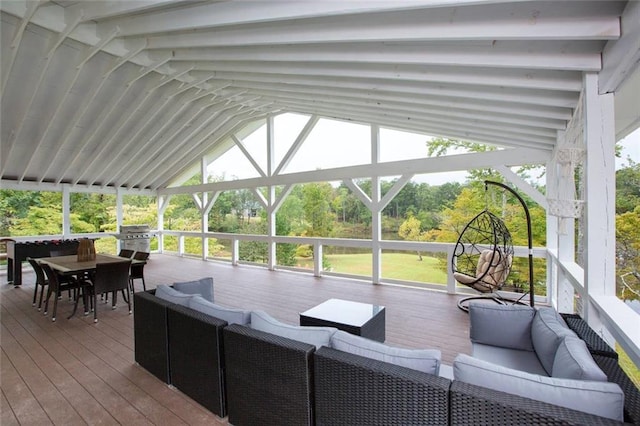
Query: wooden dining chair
{"points": [[137, 270], [110, 278], [41, 281], [126, 253], [56, 288]]}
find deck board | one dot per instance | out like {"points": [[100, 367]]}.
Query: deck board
{"points": [[77, 372]]}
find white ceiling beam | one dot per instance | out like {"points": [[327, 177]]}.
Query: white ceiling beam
{"points": [[17, 131], [537, 55], [235, 13], [52, 187], [436, 101], [531, 133], [451, 163], [97, 10], [437, 128], [463, 114], [516, 78], [150, 145], [496, 22], [186, 152], [30, 10], [534, 97], [620, 58]]}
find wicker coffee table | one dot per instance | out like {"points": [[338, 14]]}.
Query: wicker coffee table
{"points": [[357, 318]]}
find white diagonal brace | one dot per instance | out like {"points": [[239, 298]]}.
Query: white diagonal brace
{"points": [[359, 193], [295, 146], [281, 198], [247, 154], [524, 186], [212, 199], [261, 199], [395, 189], [198, 201]]}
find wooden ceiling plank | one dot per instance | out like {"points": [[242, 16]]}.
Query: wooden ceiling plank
{"points": [[152, 145], [31, 9]]}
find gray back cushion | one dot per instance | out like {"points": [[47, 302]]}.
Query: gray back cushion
{"points": [[318, 336], [573, 361], [426, 360], [230, 315], [506, 326], [600, 398], [172, 295], [547, 332], [203, 287]]}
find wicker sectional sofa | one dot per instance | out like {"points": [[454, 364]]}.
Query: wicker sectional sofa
{"points": [[256, 377]]}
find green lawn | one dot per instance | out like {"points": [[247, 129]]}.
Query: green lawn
{"points": [[400, 266]]}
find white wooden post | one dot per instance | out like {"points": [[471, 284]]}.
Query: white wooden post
{"points": [[119, 215], [204, 213], [600, 265], [235, 251], [376, 210], [272, 260], [66, 212], [317, 259]]}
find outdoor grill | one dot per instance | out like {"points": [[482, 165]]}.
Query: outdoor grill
{"points": [[135, 237]]}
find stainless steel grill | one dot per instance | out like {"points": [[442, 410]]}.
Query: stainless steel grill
{"points": [[135, 237]]}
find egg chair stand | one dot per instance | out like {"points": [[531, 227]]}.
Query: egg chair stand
{"points": [[483, 256]]}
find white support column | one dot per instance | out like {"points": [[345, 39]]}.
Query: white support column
{"points": [[317, 259], [163, 203], [66, 211], [376, 209], [599, 137], [272, 260], [119, 215], [235, 251], [204, 213]]}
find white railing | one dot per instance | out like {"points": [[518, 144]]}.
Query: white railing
{"points": [[613, 320]]}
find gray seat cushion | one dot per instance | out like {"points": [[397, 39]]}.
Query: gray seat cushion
{"points": [[511, 358], [600, 398], [547, 331], [425, 360], [172, 295], [230, 315], [573, 361], [318, 336], [203, 287], [507, 326]]}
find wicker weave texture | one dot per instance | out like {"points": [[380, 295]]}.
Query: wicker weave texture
{"points": [[596, 345], [354, 390], [269, 378], [475, 405], [196, 356], [631, 392], [150, 334]]}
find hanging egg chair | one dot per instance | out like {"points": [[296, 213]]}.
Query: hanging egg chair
{"points": [[483, 256]]}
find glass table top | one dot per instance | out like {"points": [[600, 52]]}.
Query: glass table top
{"points": [[344, 312]]}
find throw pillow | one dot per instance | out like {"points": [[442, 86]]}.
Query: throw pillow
{"points": [[547, 333], [230, 315], [203, 286], [318, 336], [506, 326], [600, 398], [426, 360], [573, 361], [172, 295]]}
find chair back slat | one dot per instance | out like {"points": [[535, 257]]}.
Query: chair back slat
{"points": [[111, 276]]}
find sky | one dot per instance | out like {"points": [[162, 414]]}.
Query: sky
{"points": [[336, 144]]}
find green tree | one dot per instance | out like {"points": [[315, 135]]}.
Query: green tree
{"points": [[410, 230], [628, 254], [628, 188], [317, 208]]}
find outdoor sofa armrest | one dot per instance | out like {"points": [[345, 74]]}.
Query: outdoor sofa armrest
{"points": [[352, 389], [196, 356], [269, 378], [595, 344], [631, 392], [477, 405], [151, 339]]}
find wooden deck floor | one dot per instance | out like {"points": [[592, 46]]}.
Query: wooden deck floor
{"points": [[77, 372]]}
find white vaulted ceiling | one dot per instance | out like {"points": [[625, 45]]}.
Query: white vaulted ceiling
{"points": [[132, 93]]}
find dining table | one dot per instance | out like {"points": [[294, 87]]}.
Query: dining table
{"points": [[70, 265]]}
